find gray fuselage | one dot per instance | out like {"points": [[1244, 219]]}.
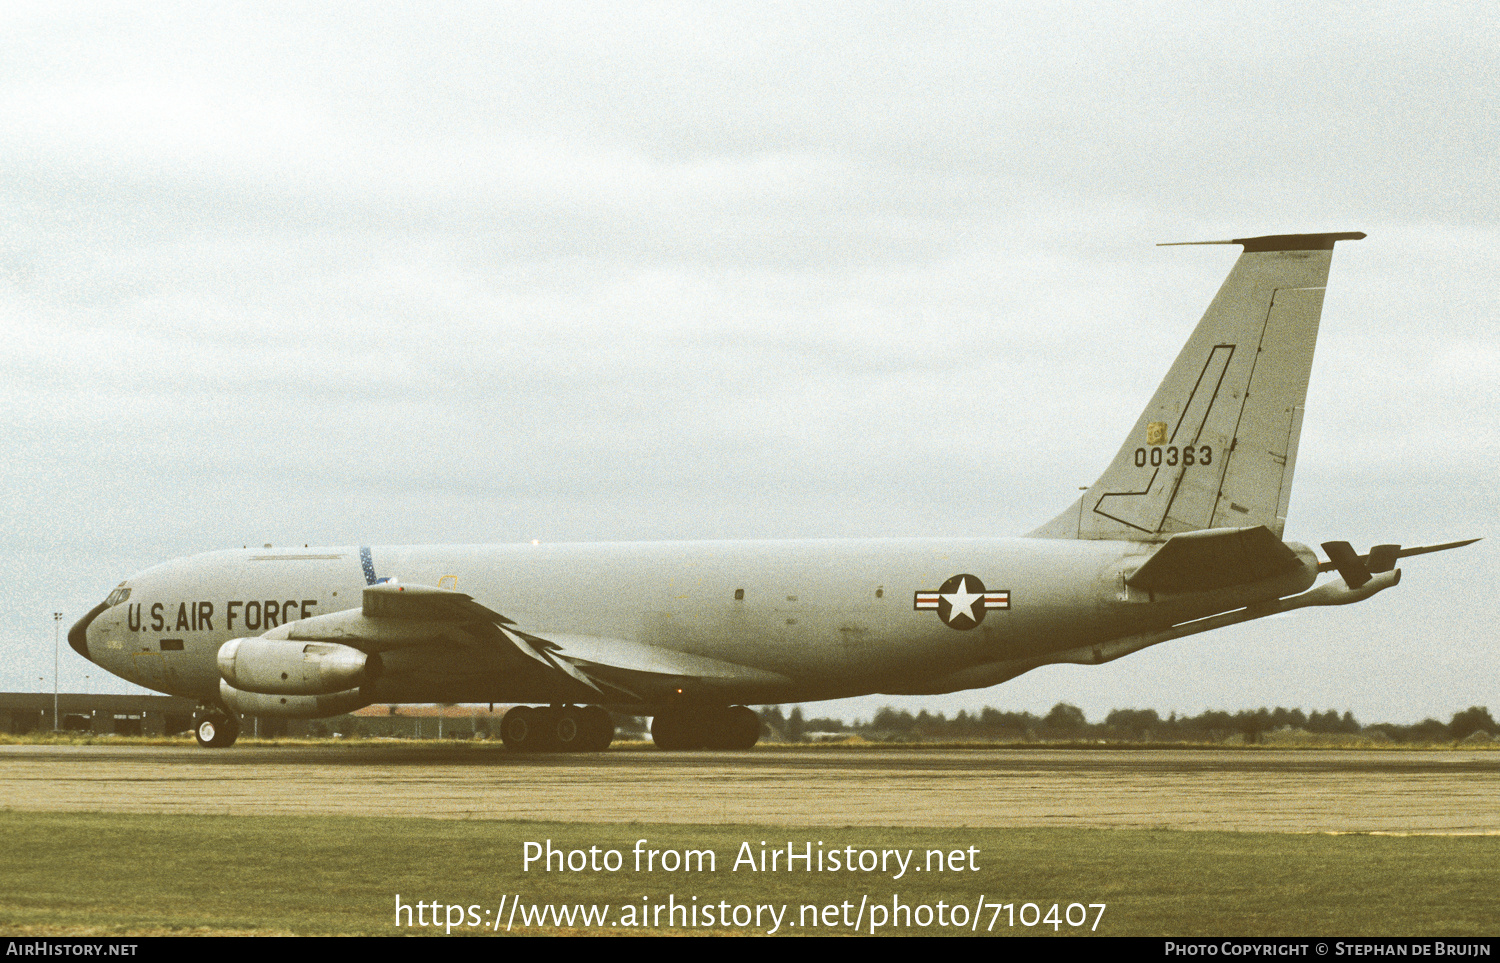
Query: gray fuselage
{"points": [[770, 621]]}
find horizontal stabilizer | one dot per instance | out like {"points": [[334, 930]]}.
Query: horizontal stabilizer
{"points": [[1383, 558], [1214, 558], [1351, 567], [1281, 242]]}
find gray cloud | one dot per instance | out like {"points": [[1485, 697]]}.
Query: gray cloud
{"points": [[600, 272]]}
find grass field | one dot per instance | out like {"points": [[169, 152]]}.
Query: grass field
{"points": [[154, 875], [1303, 741]]}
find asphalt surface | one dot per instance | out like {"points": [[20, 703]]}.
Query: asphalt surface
{"points": [[1448, 792]]}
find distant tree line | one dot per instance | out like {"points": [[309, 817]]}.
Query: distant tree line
{"points": [[1067, 723]]}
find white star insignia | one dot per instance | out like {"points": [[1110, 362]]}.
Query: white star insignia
{"points": [[962, 600]]}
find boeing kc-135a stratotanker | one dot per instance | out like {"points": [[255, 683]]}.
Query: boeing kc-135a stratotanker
{"points": [[1181, 534]]}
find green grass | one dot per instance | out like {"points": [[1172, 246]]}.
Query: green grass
{"points": [[138, 874], [638, 745]]}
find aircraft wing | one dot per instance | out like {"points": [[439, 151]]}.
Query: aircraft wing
{"points": [[395, 616], [394, 600], [619, 659]]}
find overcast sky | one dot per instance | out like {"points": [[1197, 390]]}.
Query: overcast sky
{"points": [[373, 274]]}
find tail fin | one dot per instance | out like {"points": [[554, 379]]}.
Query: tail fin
{"points": [[1216, 446]]}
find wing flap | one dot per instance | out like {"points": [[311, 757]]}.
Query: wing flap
{"points": [[633, 657]]}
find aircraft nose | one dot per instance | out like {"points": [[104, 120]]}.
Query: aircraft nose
{"points": [[78, 635]]}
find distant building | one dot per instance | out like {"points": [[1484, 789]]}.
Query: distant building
{"points": [[123, 715], [159, 715]]}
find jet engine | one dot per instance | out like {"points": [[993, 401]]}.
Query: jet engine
{"points": [[284, 667], [291, 706]]}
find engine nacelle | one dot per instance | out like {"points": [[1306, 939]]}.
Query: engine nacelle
{"points": [[282, 667], [291, 706]]}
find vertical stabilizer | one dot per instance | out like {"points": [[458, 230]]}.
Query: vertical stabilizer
{"points": [[1216, 446]]}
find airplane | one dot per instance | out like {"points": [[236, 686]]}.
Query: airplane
{"points": [[1181, 534]]}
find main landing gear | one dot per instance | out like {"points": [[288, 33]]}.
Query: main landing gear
{"points": [[705, 727], [557, 729], [217, 730]]}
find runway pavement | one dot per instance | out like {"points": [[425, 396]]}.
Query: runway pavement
{"points": [[1261, 790]]}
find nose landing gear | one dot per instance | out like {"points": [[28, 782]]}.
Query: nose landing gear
{"points": [[217, 730]]}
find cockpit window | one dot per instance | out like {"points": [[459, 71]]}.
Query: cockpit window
{"points": [[119, 595]]}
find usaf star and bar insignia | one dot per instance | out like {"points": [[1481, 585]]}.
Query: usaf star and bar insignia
{"points": [[961, 602]]}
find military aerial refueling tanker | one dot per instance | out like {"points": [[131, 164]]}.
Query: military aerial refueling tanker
{"points": [[1181, 534]]}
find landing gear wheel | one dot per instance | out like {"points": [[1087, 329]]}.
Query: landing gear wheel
{"points": [[570, 729], [559, 729], [741, 729], [217, 731], [674, 730], [600, 727], [705, 727], [524, 729]]}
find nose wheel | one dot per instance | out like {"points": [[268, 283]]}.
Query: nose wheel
{"points": [[217, 731]]}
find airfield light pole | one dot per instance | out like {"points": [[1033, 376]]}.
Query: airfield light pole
{"points": [[56, 650]]}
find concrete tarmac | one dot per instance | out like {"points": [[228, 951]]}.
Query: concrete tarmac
{"points": [[1443, 792]]}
